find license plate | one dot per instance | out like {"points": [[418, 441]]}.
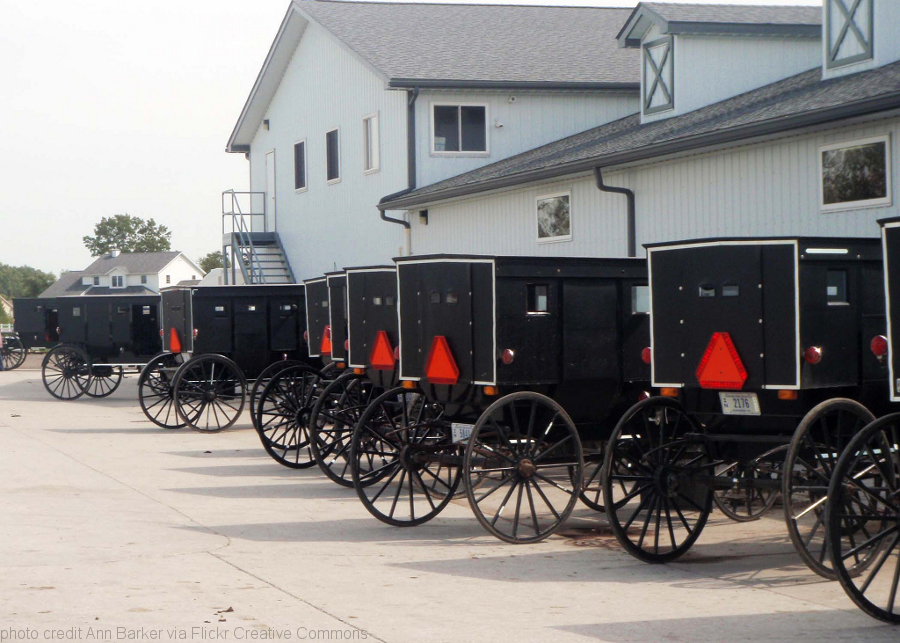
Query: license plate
{"points": [[739, 403], [460, 432]]}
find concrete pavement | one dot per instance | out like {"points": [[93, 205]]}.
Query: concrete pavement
{"points": [[112, 524]]}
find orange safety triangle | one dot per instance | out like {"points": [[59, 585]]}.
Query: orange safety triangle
{"points": [[721, 366], [440, 367], [174, 342], [325, 347], [382, 358]]}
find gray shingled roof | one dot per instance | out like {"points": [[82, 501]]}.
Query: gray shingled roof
{"points": [[801, 100], [133, 262], [68, 284], [127, 290], [731, 13], [416, 41]]}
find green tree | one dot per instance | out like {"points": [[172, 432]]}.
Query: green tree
{"points": [[23, 281], [128, 234], [212, 260]]}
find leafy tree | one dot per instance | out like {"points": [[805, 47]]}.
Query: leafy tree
{"points": [[23, 281], [4, 317], [213, 260], [128, 234]]}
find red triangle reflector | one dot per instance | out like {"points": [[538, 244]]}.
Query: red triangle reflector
{"points": [[174, 342], [325, 347], [382, 358], [441, 368], [721, 366]]}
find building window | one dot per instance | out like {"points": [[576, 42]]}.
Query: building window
{"points": [[371, 152], [332, 156], [658, 75], [143, 279], [300, 165], [848, 32], [554, 217], [459, 129], [96, 281], [118, 281], [856, 174], [168, 279]]}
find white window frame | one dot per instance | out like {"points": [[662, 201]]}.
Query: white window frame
{"points": [[487, 129], [113, 279], [857, 205], [537, 230], [340, 169], [305, 165], [373, 123], [168, 279]]}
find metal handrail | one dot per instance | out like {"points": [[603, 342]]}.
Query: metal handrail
{"points": [[240, 228]]}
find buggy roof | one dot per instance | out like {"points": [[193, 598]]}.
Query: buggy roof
{"points": [[810, 247], [382, 267], [544, 267]]}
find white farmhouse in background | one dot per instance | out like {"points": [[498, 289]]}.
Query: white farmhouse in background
{"points": [[131, 273], [361, 101], [752, 121]]}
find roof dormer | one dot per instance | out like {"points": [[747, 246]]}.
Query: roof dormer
{"points": [[696, 55], [858, 35]]}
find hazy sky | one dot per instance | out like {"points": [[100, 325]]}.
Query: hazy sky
{"points": [[113, 106]]}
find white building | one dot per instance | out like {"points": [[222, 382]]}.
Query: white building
{"points": [[132, 273], [360, 101], [753, 121]]}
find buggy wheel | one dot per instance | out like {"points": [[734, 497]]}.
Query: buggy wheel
{"points": [[13, 352], [654, 506], [748, 503], [210, 391], [103, 380], [525, 453], [156, 393], [65, 372], [401, 452], [591, 494], [264, 378], [283, 413], [817, 443], [863, 515], [335, 414]]}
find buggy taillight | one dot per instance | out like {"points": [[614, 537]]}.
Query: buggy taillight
{"points": [[879, 346], [508, 356], [306, 336], [196, 332], [346, 344], [161, 332], [813, 354], [646, 355]]}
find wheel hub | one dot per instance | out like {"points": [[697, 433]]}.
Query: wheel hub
{"points": [[301, 417], [210, 395], [413, 459], [668, 481], [526, 468]]}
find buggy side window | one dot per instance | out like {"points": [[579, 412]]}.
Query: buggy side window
{"points": [[377, 301], [286, 309], [122, 310], [220, 311], [324, 303], [434, 297], [731, 291], [640, 300], [146, 310], [76, 311], [452, 297], [538, 299], [388, 301], [251, 308], [836, 287]]}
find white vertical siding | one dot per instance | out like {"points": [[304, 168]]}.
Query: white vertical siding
{"points": [[328, 226], [766, 189], [532, 120], [711, 69]]}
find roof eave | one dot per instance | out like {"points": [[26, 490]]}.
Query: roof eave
{"points": [[439, 83], [744, 29], [772, 126]]}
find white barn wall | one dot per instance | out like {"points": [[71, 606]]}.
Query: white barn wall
{"points": [[327, 86], [534, 119], [766, 189]]}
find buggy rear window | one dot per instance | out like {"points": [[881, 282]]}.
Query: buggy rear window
{"points": [[388, 301], [76, 311], [377, 301], [452, 298], [286, 308], [538, 299], [146, 310], [220, 311], [251, 308], [122, 310], [640, 300], [836, 287]]}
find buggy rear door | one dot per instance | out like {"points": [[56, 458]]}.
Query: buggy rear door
{"points": [[251, 351], [284, 314]]}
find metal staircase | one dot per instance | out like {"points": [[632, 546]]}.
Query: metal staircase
{"points": [[247, 244]]}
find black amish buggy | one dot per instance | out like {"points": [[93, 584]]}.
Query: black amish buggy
{"points": [[217, 340], [768, 357], [865, 485], [35, 327], [100, 337], [363, 305], [513, 371]]}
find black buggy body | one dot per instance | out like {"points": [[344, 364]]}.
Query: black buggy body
{"points": [[112, 329], [373, 326], [318, 318], [574, 328], [766, 315], [337, 315], [36, 322]]}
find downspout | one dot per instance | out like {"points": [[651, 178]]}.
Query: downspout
{"points": [[629, 195], [410, 167]]}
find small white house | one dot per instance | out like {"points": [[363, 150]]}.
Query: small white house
{"points": [[135, 273]]}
